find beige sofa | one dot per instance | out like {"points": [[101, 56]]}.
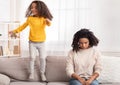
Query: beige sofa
{"points": [[14, 71]]}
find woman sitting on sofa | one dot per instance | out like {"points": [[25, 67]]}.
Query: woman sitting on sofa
{"points": [[83, 61]]}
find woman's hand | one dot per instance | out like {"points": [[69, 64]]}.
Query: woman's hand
{"points": [[88, 82], [92, 78], [82, 80]]}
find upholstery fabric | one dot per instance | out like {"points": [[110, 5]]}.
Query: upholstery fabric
{"points": [[111, 69], [27, 83], [55, 69], [4, 80], [17, 68], [58, 83]]}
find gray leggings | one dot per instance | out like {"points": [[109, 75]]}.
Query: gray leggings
{"points": [[40, 46]]}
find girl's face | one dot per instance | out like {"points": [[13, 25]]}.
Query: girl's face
{"points": [[34, 9], [83, 43]]}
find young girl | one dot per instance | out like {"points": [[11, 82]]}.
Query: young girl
{"points": [[38, 16], [83, 61]]}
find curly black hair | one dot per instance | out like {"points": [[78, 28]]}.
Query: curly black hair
{"points": [[42, 10], [84, 33]]}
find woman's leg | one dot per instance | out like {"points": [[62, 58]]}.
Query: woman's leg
{"points": [[32, 51], [74, 82], [95, 82], [42, 57]]}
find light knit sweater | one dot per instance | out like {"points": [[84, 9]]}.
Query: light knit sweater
{"points": [[84, 63], [37, 28]]}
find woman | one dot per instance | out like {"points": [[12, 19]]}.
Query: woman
{"points": [[83, 61]]}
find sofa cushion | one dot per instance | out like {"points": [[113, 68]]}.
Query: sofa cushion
{"points": [[55, 68], [58, 83], [4, 80], [111, 70], [17, 68], [27, 83]]}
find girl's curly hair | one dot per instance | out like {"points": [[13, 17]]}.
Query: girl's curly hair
{"points": [[42, 10], [84, 33]]}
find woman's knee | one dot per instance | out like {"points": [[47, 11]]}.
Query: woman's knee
{"points": [[95, 82], [74, 82]]}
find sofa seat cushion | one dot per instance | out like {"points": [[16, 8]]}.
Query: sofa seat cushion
{"points": [[110, 84], [27, 83], [4, 80], [58, 83]]}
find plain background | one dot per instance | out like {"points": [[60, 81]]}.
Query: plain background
{"points": [[100, 16]]}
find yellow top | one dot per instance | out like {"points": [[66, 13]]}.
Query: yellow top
{"points": [[37, 28]]}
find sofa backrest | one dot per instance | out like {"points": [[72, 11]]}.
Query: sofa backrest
{"points": [[17, 68], [55, 68]]}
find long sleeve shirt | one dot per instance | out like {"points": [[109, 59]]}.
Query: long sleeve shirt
{"points": [[37, 28], [84, 63]]}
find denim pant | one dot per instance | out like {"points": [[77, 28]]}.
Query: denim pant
{"points": [[40, 47], [77, 82]]}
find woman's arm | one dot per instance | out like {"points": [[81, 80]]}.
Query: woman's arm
{"points": [[82, 80], [93, 77]]}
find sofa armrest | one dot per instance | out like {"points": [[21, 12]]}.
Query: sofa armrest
{"points": [[4, 80]]}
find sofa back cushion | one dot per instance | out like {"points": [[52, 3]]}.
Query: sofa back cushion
{"points": [[111, 69], [55, 68], [17, 68]]}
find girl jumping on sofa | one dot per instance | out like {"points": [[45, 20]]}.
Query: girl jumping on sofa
{"points": [[38, 16], [84, 60]]}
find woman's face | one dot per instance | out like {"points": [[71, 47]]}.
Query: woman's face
{"points": [[83, 43], [34, 9]]}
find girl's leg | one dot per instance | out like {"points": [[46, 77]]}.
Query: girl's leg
{"points": [[32, 50], [95, 82], [42, 57], [74, 82]]}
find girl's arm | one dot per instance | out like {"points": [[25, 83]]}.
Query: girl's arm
{"points": [[20, 28], [48, 22]]}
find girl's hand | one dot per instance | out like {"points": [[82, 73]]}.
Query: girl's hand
{"points": [[10, 32], [48, 22]]}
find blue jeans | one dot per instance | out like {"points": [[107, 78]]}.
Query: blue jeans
{"points": [[77, 82]]}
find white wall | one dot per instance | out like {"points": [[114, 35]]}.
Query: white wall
{"points": [[5, 10], [109, 24], [101, 16]]}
